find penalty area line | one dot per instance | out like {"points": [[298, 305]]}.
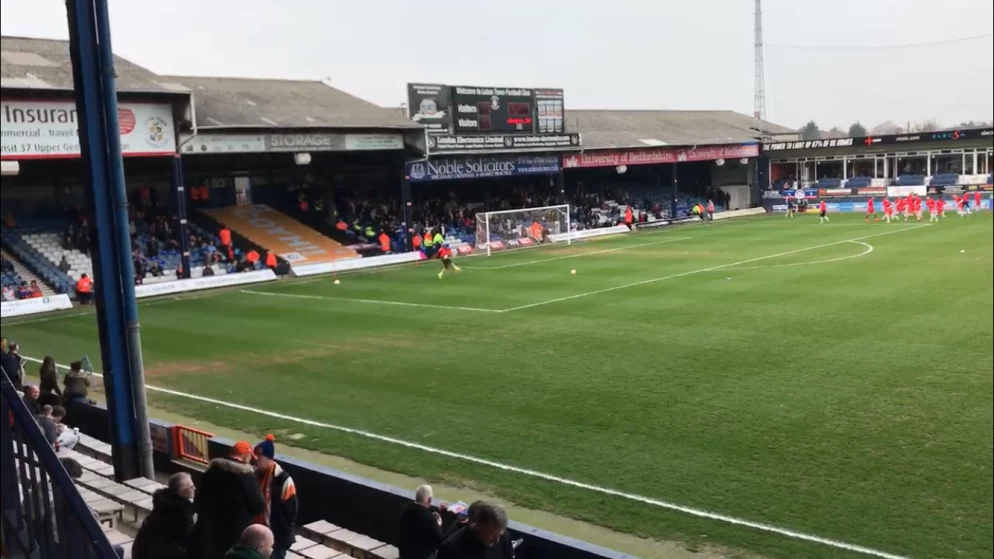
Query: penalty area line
{"points": [[592, 253], [700, 513], [369, 301], [709, 269]]}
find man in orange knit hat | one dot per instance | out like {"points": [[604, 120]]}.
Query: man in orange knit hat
{"points": [[228, 500], [280, 496]]}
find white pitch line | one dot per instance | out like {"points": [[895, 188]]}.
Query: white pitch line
{"points": [[369, 301], [554, 258], [45, 319], [867, 251], [700, 513], [710, 269]]}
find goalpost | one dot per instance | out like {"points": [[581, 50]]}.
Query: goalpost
{"points": [[524, 227]]}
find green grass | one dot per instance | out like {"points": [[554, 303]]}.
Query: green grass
{"points": [[850, 399]]}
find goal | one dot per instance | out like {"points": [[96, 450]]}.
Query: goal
{"points": [[520, 228]]}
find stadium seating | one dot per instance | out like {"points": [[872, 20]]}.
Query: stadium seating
{"points": [[828, 182], [910, 180], [31, 247], [859, 182], [945, 179]]}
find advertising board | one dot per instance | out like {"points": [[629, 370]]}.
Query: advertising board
{"points": [[23, 307], [430, 105], [616, 158], [50, 129], [481, 167]]}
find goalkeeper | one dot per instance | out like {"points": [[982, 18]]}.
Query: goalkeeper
{"points": [[445, 255]]}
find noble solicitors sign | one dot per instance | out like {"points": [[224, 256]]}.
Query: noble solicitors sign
{"points": [[480, 167]]}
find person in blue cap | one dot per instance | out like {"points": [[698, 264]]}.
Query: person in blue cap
{"points": [[280, 495]]}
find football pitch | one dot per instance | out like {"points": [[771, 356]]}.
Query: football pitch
{"points": [[824, 381]]}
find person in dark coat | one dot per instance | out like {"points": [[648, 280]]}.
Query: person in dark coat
{"points": [[483, 538], [420, 531], [166, 532], [228, 501], [462, 521], [280, 497]]}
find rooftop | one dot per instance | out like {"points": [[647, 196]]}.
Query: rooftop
{"points": [[267, 103], [42, 64], [602, 129]]}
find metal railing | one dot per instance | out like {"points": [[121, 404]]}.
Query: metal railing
{"points": [[191, 444], [42, 514]]}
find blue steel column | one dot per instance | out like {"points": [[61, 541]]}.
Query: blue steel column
{"points": [[119, 193], [674, 194], [107, 277]]}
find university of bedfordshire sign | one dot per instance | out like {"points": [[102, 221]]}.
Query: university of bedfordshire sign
{"points": [[615, 158], [50, 129]]}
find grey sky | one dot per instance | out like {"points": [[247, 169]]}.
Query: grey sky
{"points": [[620, 54]]}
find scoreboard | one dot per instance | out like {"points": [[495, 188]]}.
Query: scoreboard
{"points": [[474, 110]]}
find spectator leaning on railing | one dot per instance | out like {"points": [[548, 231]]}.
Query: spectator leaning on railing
{"points": [[166, 533], [483, 538], [420, 531]]}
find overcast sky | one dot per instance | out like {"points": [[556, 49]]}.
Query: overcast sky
{"points": [[615, 54]]}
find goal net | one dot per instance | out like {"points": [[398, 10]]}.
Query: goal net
{"points": [[520, 228]]}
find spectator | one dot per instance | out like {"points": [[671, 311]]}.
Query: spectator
{"points": [[31, 394], [23, 291], [179, 271], [207, 271], [36, 290], [64, 264], [463, 520], [166, 532], [49, 384], [12, 364], [256, 542], [8, 293], [482, 538], [84, 290], [76, 382], [50, 420], [280, 497], [420, 531], [228, 500], [252, 257], [3, 345], [271, 260]]}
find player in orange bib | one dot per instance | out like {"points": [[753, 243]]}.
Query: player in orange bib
{"points": [[445, 255]]}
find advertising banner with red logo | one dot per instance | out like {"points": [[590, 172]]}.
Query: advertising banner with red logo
{"points": [[615, 158], [49, 129]]}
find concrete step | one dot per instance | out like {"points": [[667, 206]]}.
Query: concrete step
{"points": [[26, 274]]}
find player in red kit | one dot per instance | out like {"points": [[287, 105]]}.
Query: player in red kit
{"points": [[822, 212], [871, 210], [888, 210], [960, 204], [933, 209], [445, 255], [976, 201], [917, 207], [909, 206], [941, 205], [900, 207]]}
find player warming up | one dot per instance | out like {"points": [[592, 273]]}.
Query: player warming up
{"points": [[960, 204], [790, 207], [888, 210], [933, 209], [445, 255], [871, 211], [823, 212]]}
